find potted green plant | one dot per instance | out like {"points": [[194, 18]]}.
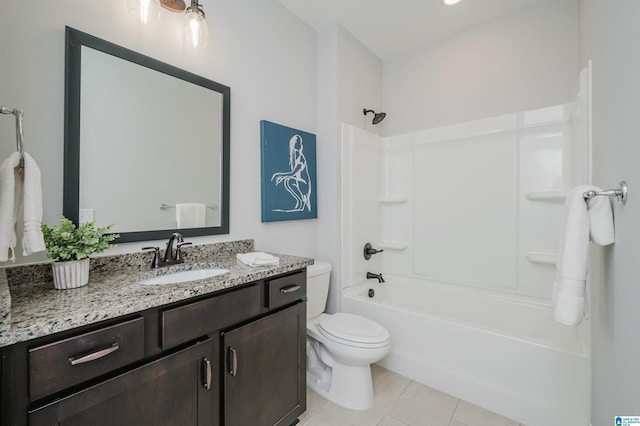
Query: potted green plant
{"points": [[71, 246]]}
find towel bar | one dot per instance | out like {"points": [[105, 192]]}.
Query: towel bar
{"points": [[620, 193], [18, 113], [164, 206]]}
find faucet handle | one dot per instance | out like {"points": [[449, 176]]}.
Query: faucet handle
{"points": [[369, 251], [155, 262], [179, 252]]}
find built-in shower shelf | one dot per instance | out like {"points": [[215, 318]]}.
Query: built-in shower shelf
{"points": [[393, 245], [546, 195], [393, 199], [546, 258]]}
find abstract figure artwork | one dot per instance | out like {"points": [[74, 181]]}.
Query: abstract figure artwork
{"points": [[288, 173]]}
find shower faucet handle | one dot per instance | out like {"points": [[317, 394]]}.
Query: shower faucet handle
{"points": [[369, 251]]}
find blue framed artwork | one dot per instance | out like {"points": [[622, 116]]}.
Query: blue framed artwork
{"points": [[288, 172]]}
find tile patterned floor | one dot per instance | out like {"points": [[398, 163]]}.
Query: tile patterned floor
{"points": [[401, 402]]}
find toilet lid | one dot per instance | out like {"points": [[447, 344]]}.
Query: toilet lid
{"points": [[353, 328]]}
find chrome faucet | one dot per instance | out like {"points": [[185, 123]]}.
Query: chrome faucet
{"points": [[171, 257], [376, 276]]}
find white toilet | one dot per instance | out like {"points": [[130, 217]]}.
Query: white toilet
{"points": [[340, 347]]}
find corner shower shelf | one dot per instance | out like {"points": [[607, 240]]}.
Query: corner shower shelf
{"points": [[393, 245], [393, 199], [546, 195], [546, 258]]}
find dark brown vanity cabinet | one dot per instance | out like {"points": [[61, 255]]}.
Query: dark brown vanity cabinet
{"points": [[173, 390], [234, 357], [265, 369]]}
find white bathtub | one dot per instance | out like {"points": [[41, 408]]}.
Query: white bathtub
{"points": [[504, 354]]}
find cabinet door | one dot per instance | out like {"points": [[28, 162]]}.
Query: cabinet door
{"points": [[173, 390], [264, 370]]}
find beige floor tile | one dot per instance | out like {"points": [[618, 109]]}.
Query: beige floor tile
{"points": [[421, 405], [400, 402], [391, 421], [472, 415], [334, 415], [387, 386], [315, 404]]}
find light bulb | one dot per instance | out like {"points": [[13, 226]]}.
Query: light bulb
{"points": [[143, 11], [195, 29], [450, 2]]}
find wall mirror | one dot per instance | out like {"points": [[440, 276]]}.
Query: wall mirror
{"points": [[146, 144]]}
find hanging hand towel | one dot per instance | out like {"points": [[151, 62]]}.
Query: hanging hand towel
{"points": [[258, 258], [10, 200], [32, 238], [191, 215], [583, 220]]}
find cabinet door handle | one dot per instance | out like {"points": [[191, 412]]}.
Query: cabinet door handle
{"points": [[206, 366], [233, 362], [290, 288], [92, 356]]}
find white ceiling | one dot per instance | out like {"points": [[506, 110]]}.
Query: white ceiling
{"points": [[392, 27]]}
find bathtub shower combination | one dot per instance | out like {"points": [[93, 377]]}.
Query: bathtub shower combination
{"points": [[469, 218], [500, 353]]}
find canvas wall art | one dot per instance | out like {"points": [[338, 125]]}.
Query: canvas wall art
{"points": [[288, 172]]}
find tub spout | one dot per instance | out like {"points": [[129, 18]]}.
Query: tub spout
{"points": [[376, 276]]}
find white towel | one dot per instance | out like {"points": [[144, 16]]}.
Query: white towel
{"points": [[20, 189], [10, 193], [191, 215], [583, 220], [32, 239], [258, 258]]}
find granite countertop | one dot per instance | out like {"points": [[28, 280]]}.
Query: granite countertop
{"points": [[37, 309]]}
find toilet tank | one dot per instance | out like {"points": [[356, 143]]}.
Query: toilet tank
{"points": [[317, 287]]}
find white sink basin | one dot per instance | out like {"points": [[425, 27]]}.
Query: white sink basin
{"points": [[184, 276]]}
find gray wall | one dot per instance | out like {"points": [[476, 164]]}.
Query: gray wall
{"points": [[614, 36], [522, 61], [349, 79], [261, 50]]}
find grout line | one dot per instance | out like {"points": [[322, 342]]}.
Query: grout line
{"points": [[394, 418], [403, 391], [453, 413]]}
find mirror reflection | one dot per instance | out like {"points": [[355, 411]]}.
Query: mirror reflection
{"points": [[149, 150]]}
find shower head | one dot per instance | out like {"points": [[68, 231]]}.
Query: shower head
{"points": [[377, 117]]}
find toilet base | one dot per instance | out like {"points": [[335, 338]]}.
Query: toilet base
{"points": [[346, 385]]}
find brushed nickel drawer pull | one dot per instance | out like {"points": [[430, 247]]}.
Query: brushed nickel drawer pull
{"points": [[81, 359], [233, 360], [207, 373], [290, 289]]}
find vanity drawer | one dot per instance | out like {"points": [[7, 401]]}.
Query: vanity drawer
{"points": [[284, 290], [71, 361], [197, 319]]}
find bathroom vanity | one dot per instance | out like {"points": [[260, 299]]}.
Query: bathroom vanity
{"points": [[227, 350]]}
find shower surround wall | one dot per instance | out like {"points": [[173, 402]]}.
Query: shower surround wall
{"points": [[475, 207]]}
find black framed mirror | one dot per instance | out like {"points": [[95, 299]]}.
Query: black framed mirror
{"points": [[146, 144]]}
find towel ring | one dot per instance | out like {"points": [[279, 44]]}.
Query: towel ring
{"points": [[620, 193]]}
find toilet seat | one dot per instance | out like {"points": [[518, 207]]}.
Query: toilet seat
{"points": [[354, 330]]}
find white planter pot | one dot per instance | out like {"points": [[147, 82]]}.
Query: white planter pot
{"points": [[71, 274]]}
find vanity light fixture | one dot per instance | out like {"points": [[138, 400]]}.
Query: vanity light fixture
{"points": [[173, 5], [450, 2], [195, 27], [143, 11]]}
